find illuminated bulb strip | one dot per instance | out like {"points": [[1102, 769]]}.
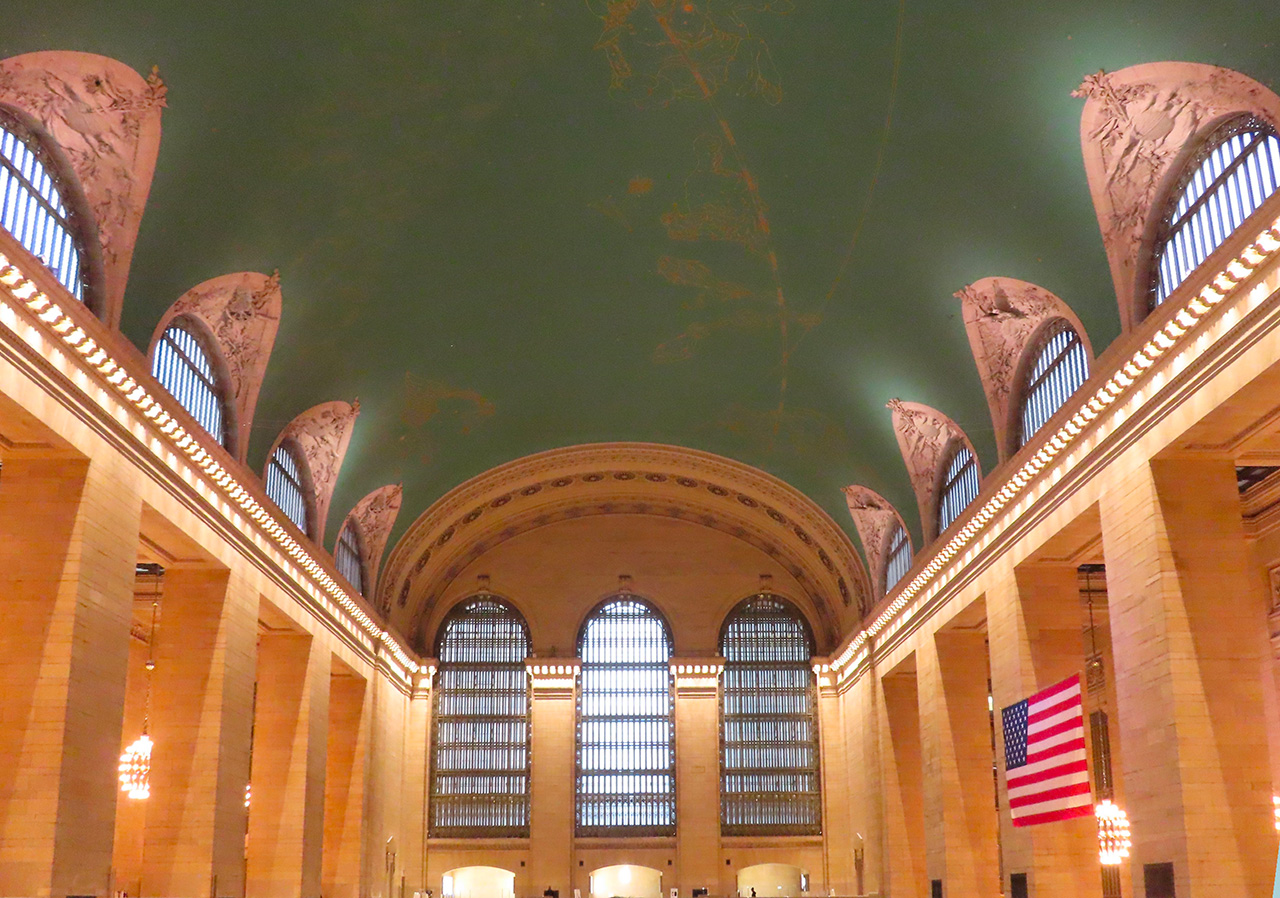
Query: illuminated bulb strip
{"points": [[1239, 269], [51, 314]]}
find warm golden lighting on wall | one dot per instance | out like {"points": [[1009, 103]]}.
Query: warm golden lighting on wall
{"points": [[1113, 833], [135, 768], [1275, 810]]}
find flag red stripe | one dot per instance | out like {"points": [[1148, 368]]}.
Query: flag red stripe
{"points": [[1053, 691], [1052, 816], [1074, 723], [1051, 751], [1049, 795], [1049, 774], [1053, 710]]}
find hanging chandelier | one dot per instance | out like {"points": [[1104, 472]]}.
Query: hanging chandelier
{"points": [[135, 762], [1113, 833]]}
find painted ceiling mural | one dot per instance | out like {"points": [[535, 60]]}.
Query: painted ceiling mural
{"points": [[734, 225]]}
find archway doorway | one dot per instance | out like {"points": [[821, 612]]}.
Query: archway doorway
{"points": [[772, 881], [479, 882], [626, 881]]}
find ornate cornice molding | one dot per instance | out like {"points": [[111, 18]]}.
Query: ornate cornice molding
{"points": [[242, 314], [1137, 126], [624, 478], [926, 437], [875, 518], [1002, 316], [104, 118]]}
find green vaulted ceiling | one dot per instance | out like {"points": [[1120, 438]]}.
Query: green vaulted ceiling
{"points": [[512, 225]]}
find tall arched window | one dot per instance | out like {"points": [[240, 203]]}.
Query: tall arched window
{"points": [[626, 749], [284, 486], [769, 725], [898, 557], [1061, 365], [185, 368], [349, 556], [959, 486], [33, 208], [480, 730], [1234, 172]]}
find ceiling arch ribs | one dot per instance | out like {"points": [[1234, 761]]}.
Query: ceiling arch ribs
{"points": [[624, 478], [927, 439], [1002, 317], [322, 433], [241, 312], [875, 519], [1137, 127], [104, 118]]}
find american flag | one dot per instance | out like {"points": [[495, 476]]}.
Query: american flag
{"points": [[1045, 756]]}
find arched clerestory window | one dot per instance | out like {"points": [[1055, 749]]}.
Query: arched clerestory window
{"points": [[897, 557], [480, 729], [1235, 170], [769, 725], [183, 363], [1059, 365], [285, 485], [960, 485], [35, 205], [626, 747], [348, 554]]}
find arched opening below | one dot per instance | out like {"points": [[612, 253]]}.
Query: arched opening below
{"points": [[626, 881], [479, 882], [772, 881]]}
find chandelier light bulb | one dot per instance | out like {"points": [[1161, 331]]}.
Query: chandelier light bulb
{"points": [[135, 768], [1113, 833]]}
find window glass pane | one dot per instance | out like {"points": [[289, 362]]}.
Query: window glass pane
{"points": [[899, 559], [1227, 181], [960, 487], [284, 486], [31, 207], [1061, 366], [184, 369], [626, 754], [769, 727], [349, 558], [480, 729]]}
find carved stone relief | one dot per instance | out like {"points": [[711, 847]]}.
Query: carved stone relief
{"points": [[322, 433], [374, 516], [875, 519], [1134, 127], [242, 312], [1001, 316], [925, 436], [105, 118]]}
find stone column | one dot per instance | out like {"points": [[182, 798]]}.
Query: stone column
{"points": [[286, 816], [201, 709], [344, 782], [904, 833], [1188, 630], [697, 722], [959, 795], [835, 774], [417, 785], [863, 717], [67, 554], [551, 818], [1033, 627]]}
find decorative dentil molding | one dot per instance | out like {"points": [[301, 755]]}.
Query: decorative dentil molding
{"points": [[241, 312], [105, 120], [926, 437], [1002, 316], [875, 519], [374, 516], [322, 434], [1137, 126]]}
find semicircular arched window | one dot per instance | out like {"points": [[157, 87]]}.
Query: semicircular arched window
{"points": [[897, 557], [184, 366], [348, 554], [1060, 366], [1234, 172], [769, 724], [33, 207], [959, 486], [626, 735], [284, 486], [480, 728]]}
